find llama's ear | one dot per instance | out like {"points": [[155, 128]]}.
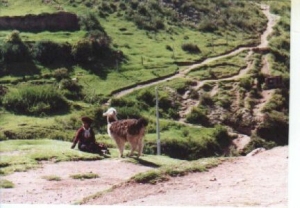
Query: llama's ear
{"points": [[110, 111]]}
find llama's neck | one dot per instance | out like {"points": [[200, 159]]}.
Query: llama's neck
{"points": [[111, 119]]}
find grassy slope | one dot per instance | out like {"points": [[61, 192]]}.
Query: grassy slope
{"points": [[136, 44]]}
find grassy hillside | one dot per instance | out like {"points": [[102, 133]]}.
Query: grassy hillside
{"points": [[122, 43]]}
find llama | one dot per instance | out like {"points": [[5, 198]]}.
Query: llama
{"points": [[131, 130]]}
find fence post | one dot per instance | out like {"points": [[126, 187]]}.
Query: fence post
{"points": [[157, 124]]}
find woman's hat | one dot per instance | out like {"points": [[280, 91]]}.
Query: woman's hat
{"points": [[86, 119]]}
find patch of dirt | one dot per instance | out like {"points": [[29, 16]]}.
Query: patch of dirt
{"points": [[260, 180], [32, 188]]}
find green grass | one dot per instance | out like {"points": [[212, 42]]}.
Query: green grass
{"points": [[21, 155], [179, 169], [6, 184], [52, 178], [23, 7], [225, 67], [84, 176]]}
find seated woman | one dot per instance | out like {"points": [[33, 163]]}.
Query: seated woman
{"points": [[85, 137]]}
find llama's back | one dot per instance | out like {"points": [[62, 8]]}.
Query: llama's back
{"points": [[127, 127]]}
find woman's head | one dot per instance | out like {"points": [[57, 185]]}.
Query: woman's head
{"points": [[86, 121]]}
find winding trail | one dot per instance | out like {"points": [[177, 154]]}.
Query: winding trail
{"points": [[188, 104], [272, 20]]}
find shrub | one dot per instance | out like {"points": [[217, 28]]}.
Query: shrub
{"points": [[99, 39], [165, 103], [223, 101], [147, 96], [205, 99], [191, 48], [121, 102], [197, 116], [48, 52], [257, 142], [274, 128], [90, 22], [169, 48], [195, 148], [60, 74], [82, 51], [35, 100], [128, 112], [278, 102], [222, 136], [72, 89], [246, 83], [15, 52]]}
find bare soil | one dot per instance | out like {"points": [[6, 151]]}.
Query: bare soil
{"points": [[259, 180], [32, 188]]}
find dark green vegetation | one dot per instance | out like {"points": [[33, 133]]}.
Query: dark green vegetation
{"points": [[84, 176], [49, 79], [52, 178], [181, 169]]}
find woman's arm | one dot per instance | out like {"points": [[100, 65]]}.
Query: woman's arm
{"points": [[76, 139]]}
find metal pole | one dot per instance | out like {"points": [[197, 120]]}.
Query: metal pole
{"points": [[157, 123]]}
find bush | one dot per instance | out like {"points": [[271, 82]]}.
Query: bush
{"points": [[82, 51], [147, 96], [48, 52], [121, 102], [222, 137], [191, 48], [128, 112], [206, 100], [246, 83], [35, 100], [60, 74], [73, 89], [14, 50], [257, 142], [278, 102], [195, 148], [90, 22], [197, 116], [275, 128], [165, 103]]}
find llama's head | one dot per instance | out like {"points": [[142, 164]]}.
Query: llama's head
{"points": [[111, 114]]}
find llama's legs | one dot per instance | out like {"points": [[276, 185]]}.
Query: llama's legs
{"points": [[121, 147], [141, 145], [133, 146]]}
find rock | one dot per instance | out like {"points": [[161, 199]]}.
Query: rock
{"points": [[256, 151]]}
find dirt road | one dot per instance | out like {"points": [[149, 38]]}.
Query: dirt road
{"points": [[260, 180]]}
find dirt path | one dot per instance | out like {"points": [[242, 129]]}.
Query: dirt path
{"points": [[32, 188], [183, 72], [260, 180]]}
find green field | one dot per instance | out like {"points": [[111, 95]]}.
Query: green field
{"points": [[123, 44]]}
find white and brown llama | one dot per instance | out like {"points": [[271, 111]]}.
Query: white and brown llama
{"points": [[126, 130]]}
